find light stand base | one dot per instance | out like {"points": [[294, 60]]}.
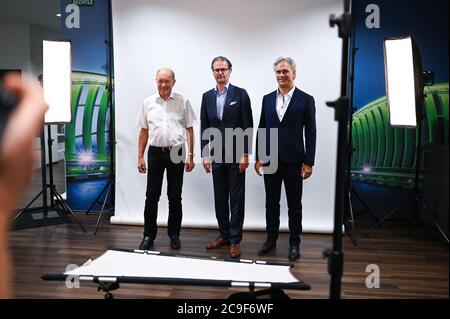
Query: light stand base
{"points": [[37, 217], [51, 214], [417, 202], [44, 214], [351, 221]]}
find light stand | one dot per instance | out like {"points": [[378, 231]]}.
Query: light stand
{"points": [[109, 187], [350, 190], [56, 81], [48, 186], [405, 84], [334, 255], [425, 79]]}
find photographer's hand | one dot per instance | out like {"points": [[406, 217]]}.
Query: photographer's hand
{"points": [[16, 162], [16, 145]]}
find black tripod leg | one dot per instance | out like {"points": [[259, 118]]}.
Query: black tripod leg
{"points": [[387, 216], [441, 231], [97, 198], [29, 204], [349, 223], [103, 206], [66, 207], [436, 224], [352, 220], [367, 209], [418, 202]]}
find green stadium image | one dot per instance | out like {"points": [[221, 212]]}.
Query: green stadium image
{"points": [[386, 155], [87, 136]]}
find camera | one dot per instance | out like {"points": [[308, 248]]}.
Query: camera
{"points": [[8, 101]]}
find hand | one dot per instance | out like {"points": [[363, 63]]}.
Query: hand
{"points": [[17, 153], [243, 163], [142, 167], [258, 168], [206, 162], [189, 165], [16, 161], [306, 171]]}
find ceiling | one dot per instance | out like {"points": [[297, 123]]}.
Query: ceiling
{"points": [[37, 12]]}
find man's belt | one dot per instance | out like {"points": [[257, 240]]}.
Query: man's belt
{"points": [[163, 149]]}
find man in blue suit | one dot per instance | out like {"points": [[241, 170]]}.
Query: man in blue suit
{"points": [[292, 112], [226, 108]]}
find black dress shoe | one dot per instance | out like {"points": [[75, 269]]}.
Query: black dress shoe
{"points": [[266, 247], [175, 242], [294, 253], [146, 243]]}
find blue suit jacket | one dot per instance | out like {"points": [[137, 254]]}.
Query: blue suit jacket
{"points": [[299, 118], [237, 113]]}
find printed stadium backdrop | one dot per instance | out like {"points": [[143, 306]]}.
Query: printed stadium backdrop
{"points": [[387, 155], [88, 151]]}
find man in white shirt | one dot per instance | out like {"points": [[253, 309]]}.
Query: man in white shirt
{"points": [[164, 119]]}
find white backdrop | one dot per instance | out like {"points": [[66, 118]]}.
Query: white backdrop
{"points": [[185, 36]]}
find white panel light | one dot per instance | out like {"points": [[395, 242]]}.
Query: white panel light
{"points": [[57, 71], [400, 90]]}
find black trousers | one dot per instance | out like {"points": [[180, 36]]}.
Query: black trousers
{"points": [[290, 175], [229, 200], [158, 162]]}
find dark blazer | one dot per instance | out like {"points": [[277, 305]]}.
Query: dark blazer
{"points": [[237, 113], [299, 118]]}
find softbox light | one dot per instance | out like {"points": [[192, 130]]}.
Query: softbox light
{"points": [[57, 70], [402, 77]]}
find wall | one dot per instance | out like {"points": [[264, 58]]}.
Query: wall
{"points": [[15, 52]]}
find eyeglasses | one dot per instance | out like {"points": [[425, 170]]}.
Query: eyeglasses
{"points": [[220, 70]]}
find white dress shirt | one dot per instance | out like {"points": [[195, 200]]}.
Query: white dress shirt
{"points": [[166, 121], [283, 102], [221, 98]]}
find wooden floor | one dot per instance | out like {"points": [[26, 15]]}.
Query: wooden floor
{"points": [[413, 263]]}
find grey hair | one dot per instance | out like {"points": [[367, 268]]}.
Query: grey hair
{"points": [[288, 60], [171, 71]]}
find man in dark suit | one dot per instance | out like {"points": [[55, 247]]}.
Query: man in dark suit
{"points": [[292, 112], [227, 108]]}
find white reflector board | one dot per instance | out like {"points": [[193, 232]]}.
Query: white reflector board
{"points": [[399, 74], [57, 70], [118, 263]]}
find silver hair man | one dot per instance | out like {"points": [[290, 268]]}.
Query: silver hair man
{"points": [[288, 60]]}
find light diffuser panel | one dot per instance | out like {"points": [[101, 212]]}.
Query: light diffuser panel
{"points": [[57, 70], [400, 90]]}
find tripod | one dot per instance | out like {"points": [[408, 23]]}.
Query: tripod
{"points": [[351, 221], [334, 255], [426, 78], [48, 187], [110, 185]]}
